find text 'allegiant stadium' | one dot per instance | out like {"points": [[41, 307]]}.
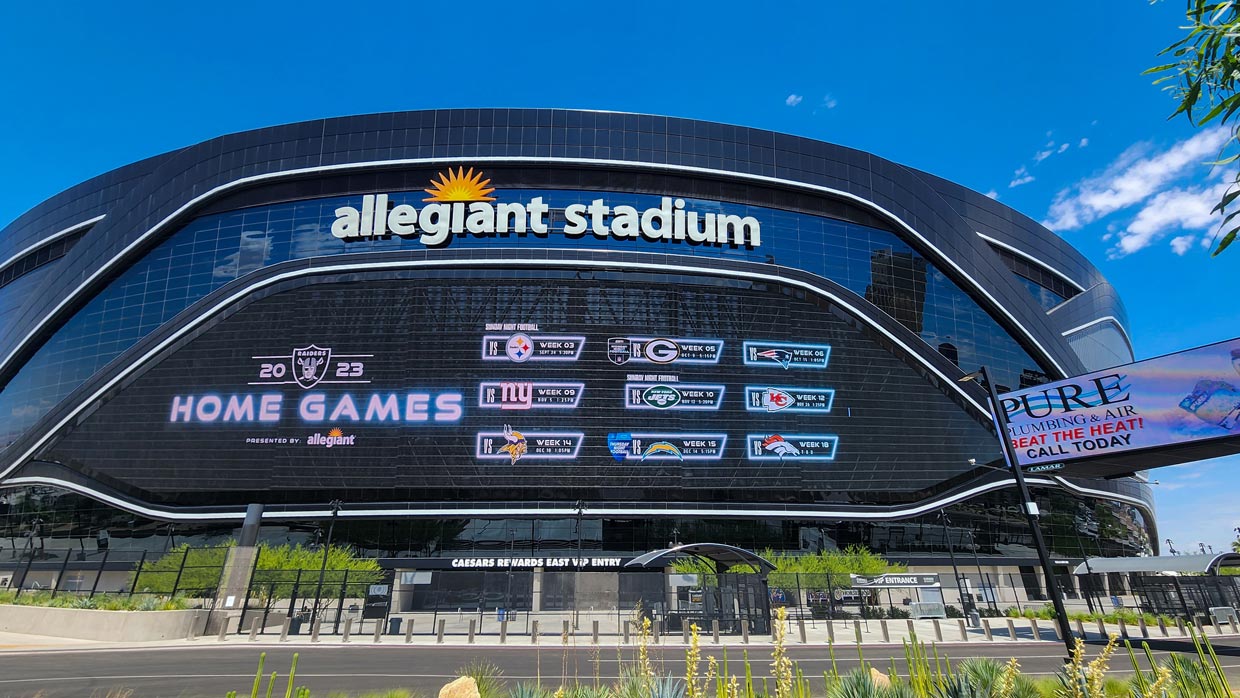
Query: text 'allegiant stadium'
{"points": [[436, 223]]}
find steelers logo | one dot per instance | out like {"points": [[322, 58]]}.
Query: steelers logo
{"points": [[519, 348]]}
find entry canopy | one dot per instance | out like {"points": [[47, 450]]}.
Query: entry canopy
{"points": [[1197, 564], [723, 556]]}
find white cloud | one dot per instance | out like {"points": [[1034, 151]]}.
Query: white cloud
{"points": [[1042, 155], [993, 194], [1130, 180], [1084, 142], [1181, 243], [829, 102], [1179, 209], [793, 100], [1062, 148], [1021, 176]]}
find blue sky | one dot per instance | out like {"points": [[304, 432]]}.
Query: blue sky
{"points": [[1043, 105]]}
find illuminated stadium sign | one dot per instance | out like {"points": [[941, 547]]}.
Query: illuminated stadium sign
{"points": [[459, 205]]}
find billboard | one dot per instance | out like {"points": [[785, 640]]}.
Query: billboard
{"points": [[485, 386], [1170, 400]]}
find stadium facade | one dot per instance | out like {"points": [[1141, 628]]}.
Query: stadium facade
{"points": [[517, 331]]}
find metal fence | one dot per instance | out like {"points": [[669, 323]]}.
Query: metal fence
{"points": [[191, 573]]}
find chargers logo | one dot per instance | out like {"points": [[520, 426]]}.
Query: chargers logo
{"points": [[783, 357], [620, 445], [515, 445], [777, 445], [662, 448]]}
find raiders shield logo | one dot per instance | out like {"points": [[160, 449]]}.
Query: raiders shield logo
{"points": [[619, 350], [310, 365]]}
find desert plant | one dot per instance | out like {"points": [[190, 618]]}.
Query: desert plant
{"points": [[487, 675]]}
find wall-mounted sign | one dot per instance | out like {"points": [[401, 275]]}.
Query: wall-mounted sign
{"points": [[782, 447], [529, 395], [513, 445], [895, 581], [666, 446], [1190, 396], [681, 396], [459, 204], [661, 350], [521, 347], [788, 399]]}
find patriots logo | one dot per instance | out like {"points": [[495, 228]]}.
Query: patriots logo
{"points": [[777, 400], [782, 357], [515, 446], [777, 445], [662, 448]]}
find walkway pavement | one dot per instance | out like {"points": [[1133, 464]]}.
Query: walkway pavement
{"points": [[815, 633]]}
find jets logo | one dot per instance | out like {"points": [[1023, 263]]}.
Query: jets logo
{"points": [[661, 397], [780, 447]]}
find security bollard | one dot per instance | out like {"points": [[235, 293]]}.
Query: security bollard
{"points": [[912, 632], [857, 630], [1123, 629], [564, 633], [964, 631], [1080, 629], [254, 625], [1142, 627], [314, 629], [801, 627], [938, 630], [408, 630], [378, 631], [284, 629], [714, 631], [1033, 628], [503, 632], [658, 631], [348, 629], [745, 632], [1011, 629], [830, 631], [1162, 627], [986, 630], [473, 624], [534, 633], [594, 635], [886, 633], [684, 631], [224, 630], [627, 625], [1102, 629], [439, 632]]}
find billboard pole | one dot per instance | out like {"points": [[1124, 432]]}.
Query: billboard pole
{"points": [[1027, 503]]}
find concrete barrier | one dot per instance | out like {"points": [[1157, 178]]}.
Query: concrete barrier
{"points": [[1011, 629], [91, 624], [964, 631], [986, 629], [1033, 628], [938, 630]]}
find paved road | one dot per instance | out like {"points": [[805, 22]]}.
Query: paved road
{"points": [[211, 670]]}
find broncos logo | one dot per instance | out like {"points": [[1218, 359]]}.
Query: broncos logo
{"points": [[515, 446], [780, 447]]}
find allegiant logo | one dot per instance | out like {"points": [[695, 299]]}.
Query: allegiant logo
{"points": [[459, 204]]}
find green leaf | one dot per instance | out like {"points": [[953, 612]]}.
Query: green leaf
{"points": [[1222, 245]]}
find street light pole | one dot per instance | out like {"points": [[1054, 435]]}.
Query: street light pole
{"points": [[336, 506], [951, 552], [1031, 508]]}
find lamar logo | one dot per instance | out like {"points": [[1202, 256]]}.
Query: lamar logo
{"points": [[335, 437]]}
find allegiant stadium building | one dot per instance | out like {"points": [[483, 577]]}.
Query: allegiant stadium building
{"points": [[523, 330]]}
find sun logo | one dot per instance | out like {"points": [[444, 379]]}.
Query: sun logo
{"points": [[460, 186], [335, 432]]}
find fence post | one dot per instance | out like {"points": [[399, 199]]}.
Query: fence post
{"points": [[61, 575], [344, 586], [245, 606], [136, 574], [176, 583], [292, 596], [99, 572]]}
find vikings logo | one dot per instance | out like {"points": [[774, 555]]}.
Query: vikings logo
{"points": [[515, 446], [309, 364]]}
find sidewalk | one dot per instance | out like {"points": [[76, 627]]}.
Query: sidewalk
{"points": [[816, 633]]}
